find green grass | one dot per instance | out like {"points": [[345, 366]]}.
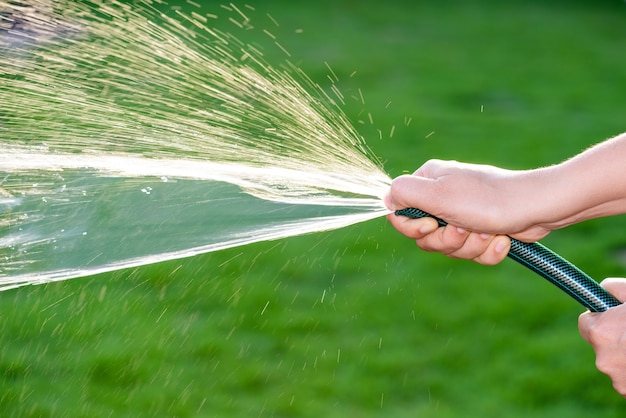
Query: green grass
{"points": [[358, 322]]}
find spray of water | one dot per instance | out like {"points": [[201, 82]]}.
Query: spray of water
{"points": [[129, 136]]}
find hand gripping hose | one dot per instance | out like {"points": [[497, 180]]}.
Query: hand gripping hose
{"points": [[550, 266]]}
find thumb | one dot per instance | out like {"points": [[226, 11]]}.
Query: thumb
{"points": [[409, 191], [616, 287]]}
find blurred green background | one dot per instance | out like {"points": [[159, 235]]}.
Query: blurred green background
{"points": [[358, 322]]}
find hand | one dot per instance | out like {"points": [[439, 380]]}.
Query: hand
{"points": [[455, 242], [482, 204], [606, 332]]}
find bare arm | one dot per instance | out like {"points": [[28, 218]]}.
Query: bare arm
{"points": [[483, 204], [601, 189]]}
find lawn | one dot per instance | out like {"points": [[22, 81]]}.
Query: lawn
{"points": [[358, 322]]}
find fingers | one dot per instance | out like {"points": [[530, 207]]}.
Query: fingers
{"points": [[590, 324], [458, 243], [607, 335], [497, 249], [606, 332], [448, 240], [413, 192], [413, 228], [616, 287], [585, 324], [454, 242]]}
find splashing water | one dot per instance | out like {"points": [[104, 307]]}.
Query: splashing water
{"points": [[128, 136]]}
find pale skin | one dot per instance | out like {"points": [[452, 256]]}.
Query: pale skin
{"points": [[484, 205]]}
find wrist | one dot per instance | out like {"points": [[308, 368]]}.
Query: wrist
{"points": [[536, 198]]}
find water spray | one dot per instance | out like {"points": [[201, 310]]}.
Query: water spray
{"points": [[89, 185], [550, 266]]}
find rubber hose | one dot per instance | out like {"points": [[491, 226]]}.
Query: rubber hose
{"points": [[550, 266]]}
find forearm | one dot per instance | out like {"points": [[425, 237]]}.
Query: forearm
{"points": [[589, 185]]}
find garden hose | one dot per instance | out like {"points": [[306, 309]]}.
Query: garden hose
{"points": [[550, 266]]}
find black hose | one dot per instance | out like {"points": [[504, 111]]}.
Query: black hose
{"points": [[550, 266]]}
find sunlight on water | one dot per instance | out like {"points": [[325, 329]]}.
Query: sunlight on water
{"points": [[130, 136]]}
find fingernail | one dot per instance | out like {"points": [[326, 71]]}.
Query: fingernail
{"points": [[501, 245], [388, 202], [461, 230]]}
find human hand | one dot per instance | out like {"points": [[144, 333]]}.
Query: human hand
{"points": [[455, 242], [606, 332], [481, 204]]}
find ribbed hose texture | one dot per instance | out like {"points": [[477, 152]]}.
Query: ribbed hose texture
{"points": [[550, 266]]}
